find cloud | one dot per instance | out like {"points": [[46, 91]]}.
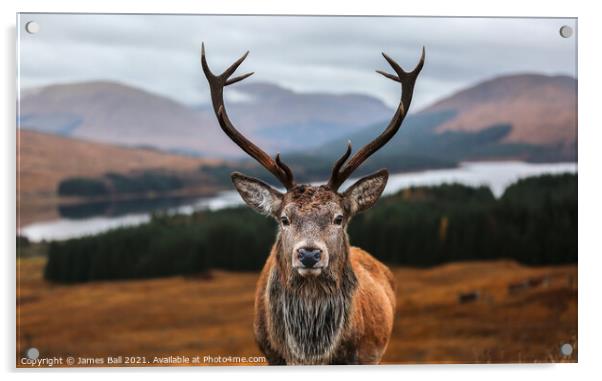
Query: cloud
{"points": [[160, 53]]}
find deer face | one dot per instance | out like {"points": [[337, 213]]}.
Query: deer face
{"points": [[312, 220]]}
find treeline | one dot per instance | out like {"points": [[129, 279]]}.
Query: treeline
{"points": [[234, 239], [115, 183], [535, 222]]}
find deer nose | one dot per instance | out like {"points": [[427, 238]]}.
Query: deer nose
{"points": [[309, 256]]}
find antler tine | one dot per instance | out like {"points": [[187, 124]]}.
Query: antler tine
{"points": [[216, 85], [225, 76], [232, 68], [206, 70], [239, 78], [285, 168], [339, 164], [394, 64], [399, 70], [390, 76], [407, 80]]}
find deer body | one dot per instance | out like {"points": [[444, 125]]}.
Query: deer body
{"points": [[318, 300]]}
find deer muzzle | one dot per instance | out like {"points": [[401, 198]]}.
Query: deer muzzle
{"points": [[310, 259]]}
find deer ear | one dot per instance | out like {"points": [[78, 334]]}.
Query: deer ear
{"points": [[257, 194], [366, 191]]}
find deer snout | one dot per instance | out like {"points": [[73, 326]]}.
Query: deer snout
{"points": [[309, 256]]}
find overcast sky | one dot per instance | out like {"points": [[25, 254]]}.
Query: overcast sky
{"points": [[327, 54]]}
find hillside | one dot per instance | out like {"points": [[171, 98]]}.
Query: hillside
{"points": [[111, 112], [116, 113], [284, 118], [541, 109], [524, 117], [43, 160]]}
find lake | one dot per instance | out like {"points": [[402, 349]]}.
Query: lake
{"points": [[94, 218]]}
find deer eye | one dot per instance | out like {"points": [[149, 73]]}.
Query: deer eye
{"points": [[285, 221], [338, 220]]}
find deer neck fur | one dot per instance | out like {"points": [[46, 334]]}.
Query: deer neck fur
{"points": [[310, 315]]}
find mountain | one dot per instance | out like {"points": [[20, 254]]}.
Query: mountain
{"points": [[282, 117], [272, 116], [110, 112], [541, 109], [527, 117]]}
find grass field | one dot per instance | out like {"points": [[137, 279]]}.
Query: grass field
{"points": [[458, 313]]}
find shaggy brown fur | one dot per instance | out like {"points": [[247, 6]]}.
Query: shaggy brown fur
{"points": [[368, 321], [307, 197]]}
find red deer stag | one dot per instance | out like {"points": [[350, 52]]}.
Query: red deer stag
{"points": [[318, 300]]}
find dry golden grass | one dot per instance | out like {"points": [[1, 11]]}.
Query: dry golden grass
{"points": [[527, 325], [199, 317]]}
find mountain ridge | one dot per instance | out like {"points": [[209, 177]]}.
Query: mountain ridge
{"points": [[112, 112], [538, 110], [542, 109]]}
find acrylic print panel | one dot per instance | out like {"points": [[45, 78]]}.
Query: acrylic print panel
{"points": [[447, 233]]}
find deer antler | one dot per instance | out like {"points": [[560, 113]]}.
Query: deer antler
{"points": [[341, 173], [217, 84]]}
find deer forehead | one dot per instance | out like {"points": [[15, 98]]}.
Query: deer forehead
{"points": [[306, 199]]}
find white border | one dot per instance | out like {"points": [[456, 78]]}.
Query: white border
{"points": [[589, 174]]}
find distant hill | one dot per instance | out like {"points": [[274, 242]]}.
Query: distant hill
{"points": [[527, 117], [275, 117], [538, 112], [110, 112], [45, 159], [541, 109], [284, 118]]}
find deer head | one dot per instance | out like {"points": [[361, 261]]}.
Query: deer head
{"points": [[312, 237]]}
